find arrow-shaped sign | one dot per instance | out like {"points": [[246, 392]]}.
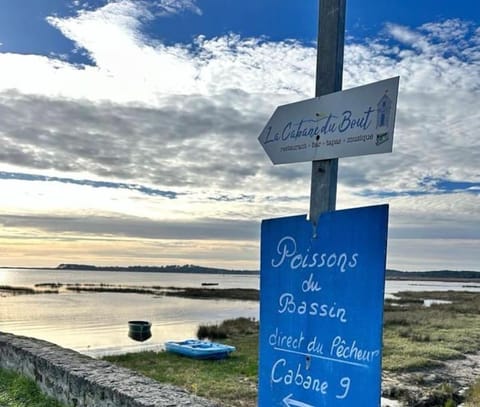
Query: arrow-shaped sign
{"points": [[289, 402], [353, 122]]}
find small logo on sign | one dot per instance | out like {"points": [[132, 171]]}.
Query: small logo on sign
{"points": [[381, 138]]}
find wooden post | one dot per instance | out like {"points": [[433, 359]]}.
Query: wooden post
{"points": [[331, 34]]}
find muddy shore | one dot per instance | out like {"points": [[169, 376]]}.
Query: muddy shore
{"points": [[430, 387]]}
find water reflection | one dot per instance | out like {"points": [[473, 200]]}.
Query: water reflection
{"points": [[28, 277], [96, 323], [429, 303]]}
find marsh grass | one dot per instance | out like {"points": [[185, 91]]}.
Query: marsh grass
{"points": [[473, 395], [212, 332], [419, 337], [228, 328], [187, 292], [16, 290], [105, 289], [216, 293], [231, 381], [18, 391], [12, 290]]}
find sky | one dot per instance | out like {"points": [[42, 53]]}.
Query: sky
{"points": [[128, 128]]}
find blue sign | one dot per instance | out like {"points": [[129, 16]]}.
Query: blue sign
{"points": [[321, 309]]}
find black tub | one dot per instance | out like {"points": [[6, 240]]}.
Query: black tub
{"points": [[139, 330]]}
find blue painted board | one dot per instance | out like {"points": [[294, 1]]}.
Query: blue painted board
{"points": [[321, 309]]}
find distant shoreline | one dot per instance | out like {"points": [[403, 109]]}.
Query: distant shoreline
{"points": [[434, 275], [188, 269]]}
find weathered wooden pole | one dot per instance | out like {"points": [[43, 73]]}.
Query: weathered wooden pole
{"points": [[331, 34]]}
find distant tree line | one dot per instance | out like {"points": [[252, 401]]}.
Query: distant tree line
{"points": [[434, 275], [188, 268]]}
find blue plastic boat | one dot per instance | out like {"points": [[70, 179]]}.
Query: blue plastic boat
{"points": [[197, 349]]}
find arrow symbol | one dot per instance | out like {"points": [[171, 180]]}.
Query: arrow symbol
{"points": [[289, 402]]}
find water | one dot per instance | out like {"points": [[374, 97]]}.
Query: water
{"points": [[96, 323], [395, 286], [28, 278]]}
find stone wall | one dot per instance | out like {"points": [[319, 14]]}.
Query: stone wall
{"points": [[78, 380]]}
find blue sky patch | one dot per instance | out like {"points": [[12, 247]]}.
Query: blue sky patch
{"points": [[271, 19], [90, 183], [36, 35], [429, 186]]}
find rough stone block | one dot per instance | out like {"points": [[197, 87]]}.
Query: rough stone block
{"points": [[78, 380]]}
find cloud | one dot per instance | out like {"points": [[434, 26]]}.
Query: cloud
{"points": [[407, 36], [448, 31], [192, 117], [94, 29], [186, 118], [177, 6], [438, 254], [436, 109], [136, 227], [131, 67], [172, 146]]}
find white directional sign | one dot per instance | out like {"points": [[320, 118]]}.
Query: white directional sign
{"points": [[353, 122]]}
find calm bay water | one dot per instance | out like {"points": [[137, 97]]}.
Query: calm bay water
{"points": [[29, 277], [96, 323]]}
